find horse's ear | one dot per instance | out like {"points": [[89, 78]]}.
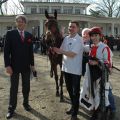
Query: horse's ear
{"points": [[46, 14], [55, 14]]}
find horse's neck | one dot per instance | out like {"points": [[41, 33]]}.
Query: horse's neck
{"points": [[57, 39]]}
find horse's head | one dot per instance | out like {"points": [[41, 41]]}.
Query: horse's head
{"points": [[51, 24], [52, 30]]}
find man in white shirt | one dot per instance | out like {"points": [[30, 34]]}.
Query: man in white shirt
{"points": [[72, 50]]}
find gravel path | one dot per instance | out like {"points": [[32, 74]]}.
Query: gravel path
{"points": [[46, 106]]}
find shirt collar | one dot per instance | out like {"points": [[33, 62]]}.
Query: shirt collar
{"points": [[73, 36], [20, 30]]}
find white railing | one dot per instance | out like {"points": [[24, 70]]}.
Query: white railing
{"points": [[43, 0], [61, 1]]}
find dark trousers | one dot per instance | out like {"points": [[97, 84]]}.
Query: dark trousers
{"points": [[112, 101], [14, 89], [73, 88], [84, 61]]}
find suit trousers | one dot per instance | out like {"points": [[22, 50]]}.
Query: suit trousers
{"points": [[73, 87], [14, 79]]}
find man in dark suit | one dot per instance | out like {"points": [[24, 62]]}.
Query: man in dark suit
{"points": [[19, 59]]}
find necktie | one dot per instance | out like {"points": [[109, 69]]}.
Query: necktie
{"points": [[22, 37]]}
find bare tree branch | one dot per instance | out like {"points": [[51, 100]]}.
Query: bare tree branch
{"points": [[109, 8], [18, 6], [1, 2]]}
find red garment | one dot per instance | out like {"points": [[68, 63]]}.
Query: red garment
{"points": [[93, 51]]}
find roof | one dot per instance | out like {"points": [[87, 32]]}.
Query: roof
{"points": [[54, 3]]}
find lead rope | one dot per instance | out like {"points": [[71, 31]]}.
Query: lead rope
{"points": [[104, 79]]}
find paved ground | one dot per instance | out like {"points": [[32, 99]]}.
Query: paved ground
{"points": [[42, 96]]}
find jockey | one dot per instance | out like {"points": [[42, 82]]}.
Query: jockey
{"points": [[96, 94]]}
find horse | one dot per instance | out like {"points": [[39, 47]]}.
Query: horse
{"points": [[53, 38]]}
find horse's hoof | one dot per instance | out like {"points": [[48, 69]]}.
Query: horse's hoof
{"points": [[57, 94]]}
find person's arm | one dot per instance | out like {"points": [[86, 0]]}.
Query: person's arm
{"points": [[32, 54], [67, 53], [7, 54], [7, 50], [107, 57]]}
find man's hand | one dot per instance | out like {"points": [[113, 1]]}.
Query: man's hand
{"points": [[9, 70], [57, 50], [32, 68], [93, 62], [34, 71]]}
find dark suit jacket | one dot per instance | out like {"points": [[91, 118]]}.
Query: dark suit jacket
{"points": [[18, 54]]}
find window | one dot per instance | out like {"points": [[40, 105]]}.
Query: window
{"points": [[77, 11], [58, 8], [67, 10], [33, 10], [42, 9]]}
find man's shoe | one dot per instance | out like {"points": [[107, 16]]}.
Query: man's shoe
{"points": [[9, 115], [74, 118], [27, 107], [112, 115], [69, 112]]}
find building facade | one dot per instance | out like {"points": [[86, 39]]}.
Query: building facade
{"points": [[35, 9]]}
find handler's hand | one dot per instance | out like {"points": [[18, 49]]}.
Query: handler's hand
{"points": [[93, 62], [9, 70], [57, 50]]}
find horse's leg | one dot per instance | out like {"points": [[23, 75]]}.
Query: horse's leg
{"points": [[51, 66], [56, 79], [61, 87], [51, 72]]}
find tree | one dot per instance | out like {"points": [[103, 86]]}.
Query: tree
{"points": [[82, 1], [108, 8], [96, 13], [18, 6], [13, 7], [1, 2]]}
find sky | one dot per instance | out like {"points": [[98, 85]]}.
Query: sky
{"points": [[11, 6], [13, 10]]}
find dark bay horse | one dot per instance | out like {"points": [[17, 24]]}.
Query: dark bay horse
{"points": [[53, 38]]}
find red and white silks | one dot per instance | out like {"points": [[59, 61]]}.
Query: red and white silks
{"points": [[86, 99]]}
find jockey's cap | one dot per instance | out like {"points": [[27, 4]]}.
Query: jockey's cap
{"points": [[95, 30]]}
